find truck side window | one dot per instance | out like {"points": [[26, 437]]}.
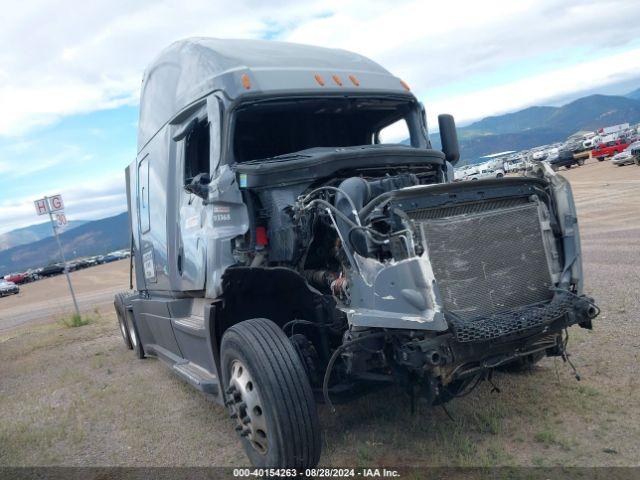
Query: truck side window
{"points": [[397, 132], [196, 158]]}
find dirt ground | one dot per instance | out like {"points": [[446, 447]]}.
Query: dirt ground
{"points": [[76, 396], [38, 302]]}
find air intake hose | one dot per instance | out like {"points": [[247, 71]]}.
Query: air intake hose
{"points": [[361, 192]]}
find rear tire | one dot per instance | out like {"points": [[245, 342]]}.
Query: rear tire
{"points": [[133, 334], [119, 302], [269, 395]]}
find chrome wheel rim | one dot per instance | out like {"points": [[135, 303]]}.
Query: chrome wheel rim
{"points": [[132, 334], [123, 328], [245, 405]]}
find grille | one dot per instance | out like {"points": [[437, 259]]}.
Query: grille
{"points": [[513, 321], [488, 262]]}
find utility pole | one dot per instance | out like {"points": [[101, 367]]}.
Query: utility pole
{"points": [[49, 205]]}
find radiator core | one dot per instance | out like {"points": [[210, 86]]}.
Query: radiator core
{"points": [[489, 260]]}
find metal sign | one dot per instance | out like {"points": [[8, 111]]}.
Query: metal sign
{"points": [[41, 206], [50, 205], [55, 203], [61, 218]]}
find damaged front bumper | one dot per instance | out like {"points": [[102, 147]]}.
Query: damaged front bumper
{"points": [[472, 346]]}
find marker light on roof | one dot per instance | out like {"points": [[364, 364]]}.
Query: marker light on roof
{"points": [[354, 80], [319, 79], [337, 79], [246, 83], [405, 85]]}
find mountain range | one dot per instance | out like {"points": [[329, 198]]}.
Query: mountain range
{"points": [[541, 125], [90, 238], [32, 233]]}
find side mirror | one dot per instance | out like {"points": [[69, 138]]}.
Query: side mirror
{"points": [[449, 138], [198, 185]]}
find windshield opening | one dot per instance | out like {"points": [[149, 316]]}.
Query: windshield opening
{"points": [[271, 128]]}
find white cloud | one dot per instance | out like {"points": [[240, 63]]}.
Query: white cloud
{"points": [[61, 58], [88, 201], [540, 88]]}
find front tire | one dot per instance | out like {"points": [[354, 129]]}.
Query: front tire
{"points": [[269, 396]]}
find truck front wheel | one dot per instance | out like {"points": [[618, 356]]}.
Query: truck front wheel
{"points": [[269, 396]]}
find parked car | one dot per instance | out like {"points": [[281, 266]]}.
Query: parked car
{"points": [[609, 149], [566, 159], [83, 263], [8, 288], [51, 270], [622, 158], [486, 173], [635, 151], [591, 143], [110, 258], [17, 278]]}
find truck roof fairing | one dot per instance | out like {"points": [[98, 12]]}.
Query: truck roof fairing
{"points": [[190, 69]]}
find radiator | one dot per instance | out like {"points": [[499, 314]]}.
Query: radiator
{"points": [[488, 258]]}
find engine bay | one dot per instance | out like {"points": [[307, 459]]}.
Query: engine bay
{"points": [[317, 226]]}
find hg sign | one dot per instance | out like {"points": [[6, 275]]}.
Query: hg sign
{"points": [[49, 204]]}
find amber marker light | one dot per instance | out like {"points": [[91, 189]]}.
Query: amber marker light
{"points": [[246, 83], [354, 80], [337, 79], [405, 85], [319, 79]]}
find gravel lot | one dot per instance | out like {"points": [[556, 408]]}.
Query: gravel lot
{"points": [[76, 396]]}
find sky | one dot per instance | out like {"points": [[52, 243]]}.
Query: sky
{"points": [[70, 71]]}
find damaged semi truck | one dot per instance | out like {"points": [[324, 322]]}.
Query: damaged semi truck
{"points": [[286, 255]]}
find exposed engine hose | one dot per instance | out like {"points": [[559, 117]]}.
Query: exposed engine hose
{"points": [[326, 204], [295, 322], [332, 361], [368, 208], [354, 210]]}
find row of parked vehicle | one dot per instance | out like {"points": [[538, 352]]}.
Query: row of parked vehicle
{"points": [[621, 143], [9, 284]]}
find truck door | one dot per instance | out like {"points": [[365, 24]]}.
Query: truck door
{"points": [[194, 156]]}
